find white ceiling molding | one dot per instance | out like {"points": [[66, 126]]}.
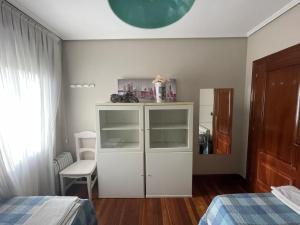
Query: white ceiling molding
{"points": [[273, 17], [81, 20]]}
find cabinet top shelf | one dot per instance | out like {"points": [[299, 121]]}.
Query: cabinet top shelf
{"points": [[168, 145], [120, 126], [161, 126], [121, 145], [144, 104]]}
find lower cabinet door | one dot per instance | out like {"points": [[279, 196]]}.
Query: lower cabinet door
{"points": [[121, 174], [169, 174]]}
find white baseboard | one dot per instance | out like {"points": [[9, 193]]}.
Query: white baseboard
{"points": [[169, 196], [121, 196]]}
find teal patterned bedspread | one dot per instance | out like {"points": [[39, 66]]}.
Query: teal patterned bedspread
{"points": [[18, 209], [249, 209]]}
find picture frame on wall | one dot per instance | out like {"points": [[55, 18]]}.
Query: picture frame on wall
{"points": [[144, 89]]}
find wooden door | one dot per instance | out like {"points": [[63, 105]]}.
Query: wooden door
{"points": [[276, 165], [274, 136], [222, 120]]}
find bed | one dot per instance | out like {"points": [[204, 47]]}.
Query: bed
{"points": [[249, 209], [47, 210]]}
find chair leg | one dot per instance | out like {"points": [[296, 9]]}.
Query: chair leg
{"points": [[62, 187], [89, 186]]}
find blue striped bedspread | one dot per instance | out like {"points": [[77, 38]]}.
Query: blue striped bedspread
{"points": [[249, 209], [18, 209]]}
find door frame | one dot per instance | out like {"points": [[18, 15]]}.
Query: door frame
{"points": [[282, 59]]}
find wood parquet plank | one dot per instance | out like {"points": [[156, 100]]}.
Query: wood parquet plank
{"points": [[152, 214], [163, 211]]}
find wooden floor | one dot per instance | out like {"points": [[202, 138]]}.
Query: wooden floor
{"points": [[164, 211]]}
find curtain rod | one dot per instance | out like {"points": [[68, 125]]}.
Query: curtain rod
{"points": [[29, 18]]}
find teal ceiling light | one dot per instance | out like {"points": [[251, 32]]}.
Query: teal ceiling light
{"points": [[150, 13]]}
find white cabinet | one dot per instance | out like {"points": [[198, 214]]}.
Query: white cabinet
{"points": [[168, 149], [120, 146], [165, 157]]}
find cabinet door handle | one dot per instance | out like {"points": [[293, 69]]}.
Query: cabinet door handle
{"points": [[149, 175], [142, 175]]}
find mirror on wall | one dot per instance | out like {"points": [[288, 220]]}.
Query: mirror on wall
{"points": [[215, 120]]}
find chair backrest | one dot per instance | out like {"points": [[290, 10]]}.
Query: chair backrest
{"points": [[85, 143]]}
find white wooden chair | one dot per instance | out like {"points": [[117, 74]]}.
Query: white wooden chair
{"points": [[82, 168]]}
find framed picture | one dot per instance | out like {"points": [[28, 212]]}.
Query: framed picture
{"points": [[145, 90]]}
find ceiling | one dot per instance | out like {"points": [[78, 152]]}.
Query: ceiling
{"points": [[94, 19]]}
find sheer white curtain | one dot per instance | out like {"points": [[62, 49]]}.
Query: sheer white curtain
{"points": [[30, 82]]}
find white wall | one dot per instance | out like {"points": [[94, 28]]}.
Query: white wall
{"points": [[278, 35], [195, 63]]}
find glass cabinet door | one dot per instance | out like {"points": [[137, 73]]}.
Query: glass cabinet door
{"points": [[168, 128], [120, 128]]}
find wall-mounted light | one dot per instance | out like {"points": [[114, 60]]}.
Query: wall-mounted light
{"points": [[82, 85]]}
